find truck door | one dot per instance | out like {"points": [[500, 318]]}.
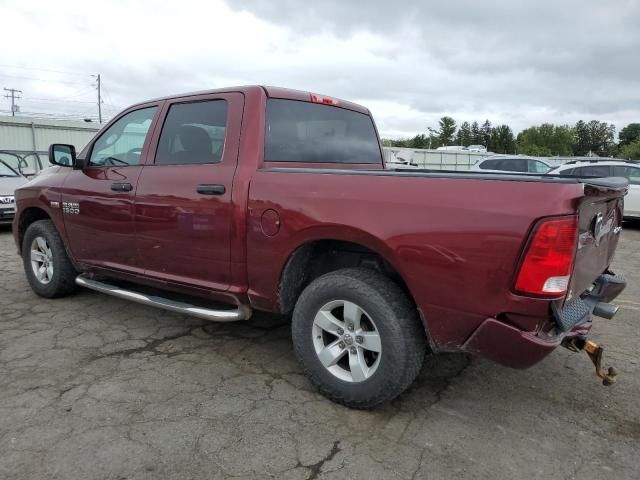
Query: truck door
{"points": [[97, 201], [183, 203]]}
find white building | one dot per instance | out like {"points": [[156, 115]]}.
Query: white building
{"points": [[25, 135]]}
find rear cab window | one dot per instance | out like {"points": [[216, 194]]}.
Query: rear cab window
{"points": [[299, 131]]}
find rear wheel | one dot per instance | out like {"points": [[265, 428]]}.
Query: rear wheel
{"points": [[48, 268], [358, 337]]}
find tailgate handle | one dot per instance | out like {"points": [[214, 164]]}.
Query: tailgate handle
{"points": [[121, 187], [205, 189]]}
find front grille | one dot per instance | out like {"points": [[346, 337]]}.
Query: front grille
{"points": [[6, 213]]}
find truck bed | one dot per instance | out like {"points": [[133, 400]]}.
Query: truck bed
{"points": [[455, 238]]}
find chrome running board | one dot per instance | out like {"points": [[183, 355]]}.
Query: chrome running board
{"points": [[242, 312]]}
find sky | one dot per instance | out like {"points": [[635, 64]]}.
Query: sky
{"points": [[410, 62]]}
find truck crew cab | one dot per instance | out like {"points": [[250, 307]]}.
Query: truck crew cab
{"points": [[270, 199]]}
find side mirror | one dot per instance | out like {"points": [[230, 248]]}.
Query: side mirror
{"points": [[62, 155]]}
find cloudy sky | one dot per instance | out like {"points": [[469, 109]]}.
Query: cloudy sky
{"points": [[410, 62]]}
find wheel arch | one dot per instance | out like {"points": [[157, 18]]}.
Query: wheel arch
{"points": [[318, 256], [28, 216]]}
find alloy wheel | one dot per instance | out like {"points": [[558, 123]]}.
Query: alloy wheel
{"points": [[41, 260], [346, 341]]}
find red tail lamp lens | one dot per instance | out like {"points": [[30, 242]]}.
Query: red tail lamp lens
{"points": [[548, 262]]}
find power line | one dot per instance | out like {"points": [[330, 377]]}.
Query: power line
{"points": [[55, 116], [41, 79], [55, 100], [42, 69], [113, 106], [106, 93], [45, 103]]}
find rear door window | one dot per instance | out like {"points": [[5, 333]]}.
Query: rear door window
{"points": [[299, 131], [512, 165], [631, 173], [489, 165], [535, 166], [593, 171], [193, 133]]}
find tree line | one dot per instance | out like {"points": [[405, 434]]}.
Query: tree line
{"points": [[546, 140]]}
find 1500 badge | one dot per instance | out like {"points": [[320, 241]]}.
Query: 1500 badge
{"points": [[71, 208]]}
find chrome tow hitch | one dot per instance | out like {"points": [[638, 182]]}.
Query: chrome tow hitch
{"points": [[595, 351]]}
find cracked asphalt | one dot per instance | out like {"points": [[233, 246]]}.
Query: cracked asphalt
{"points": [[93, 387]]}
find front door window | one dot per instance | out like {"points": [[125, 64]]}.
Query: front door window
{"points": [[121, 144]]}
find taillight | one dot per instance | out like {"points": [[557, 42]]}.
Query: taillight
{"points": [[548, 261]]}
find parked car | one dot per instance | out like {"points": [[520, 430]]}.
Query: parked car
{"points": [[26, 164], [609, 168], [477, 148], [289, 209], [519, 164], [402, 159], [10, 179], [452, 148]]}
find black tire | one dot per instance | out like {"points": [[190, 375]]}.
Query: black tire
{"points": [[62, 281], [402, 336]]}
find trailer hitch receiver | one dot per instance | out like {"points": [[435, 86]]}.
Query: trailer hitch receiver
{"points": [[595, 351]]}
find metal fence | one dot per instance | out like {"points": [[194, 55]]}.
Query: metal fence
{"points": [[433, 159], [455, 160]]}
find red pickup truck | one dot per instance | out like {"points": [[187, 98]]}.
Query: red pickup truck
{"points": [[270, 199]]}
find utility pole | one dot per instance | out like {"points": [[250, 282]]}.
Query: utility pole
{"points": [[13, 96], [99, 102]]}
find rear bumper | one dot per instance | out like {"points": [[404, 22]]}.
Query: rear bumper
{"points": [[510, 346]]}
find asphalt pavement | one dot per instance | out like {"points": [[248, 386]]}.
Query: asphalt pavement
{"points": [[93, 387]]}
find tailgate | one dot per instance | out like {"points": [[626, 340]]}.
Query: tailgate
{"points": [[599, 222]]}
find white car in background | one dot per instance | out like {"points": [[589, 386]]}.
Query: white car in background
{"points": [[402, 159], [516, 164], [452, 148], [609, 168], [477, 148], [10, 179]]}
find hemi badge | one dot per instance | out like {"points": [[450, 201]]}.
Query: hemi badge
{"points": [[55, 204]]}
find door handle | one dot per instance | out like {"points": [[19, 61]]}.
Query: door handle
{"points": [[211, 189], [121, 187]]}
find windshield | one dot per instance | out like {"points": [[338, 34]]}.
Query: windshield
{"points": [[7, 171]]}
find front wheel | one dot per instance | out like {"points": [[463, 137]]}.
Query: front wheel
{"points": [[358, 337], [49, 270]]}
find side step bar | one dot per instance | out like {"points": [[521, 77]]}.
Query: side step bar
{"points": [[242, 312]]}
